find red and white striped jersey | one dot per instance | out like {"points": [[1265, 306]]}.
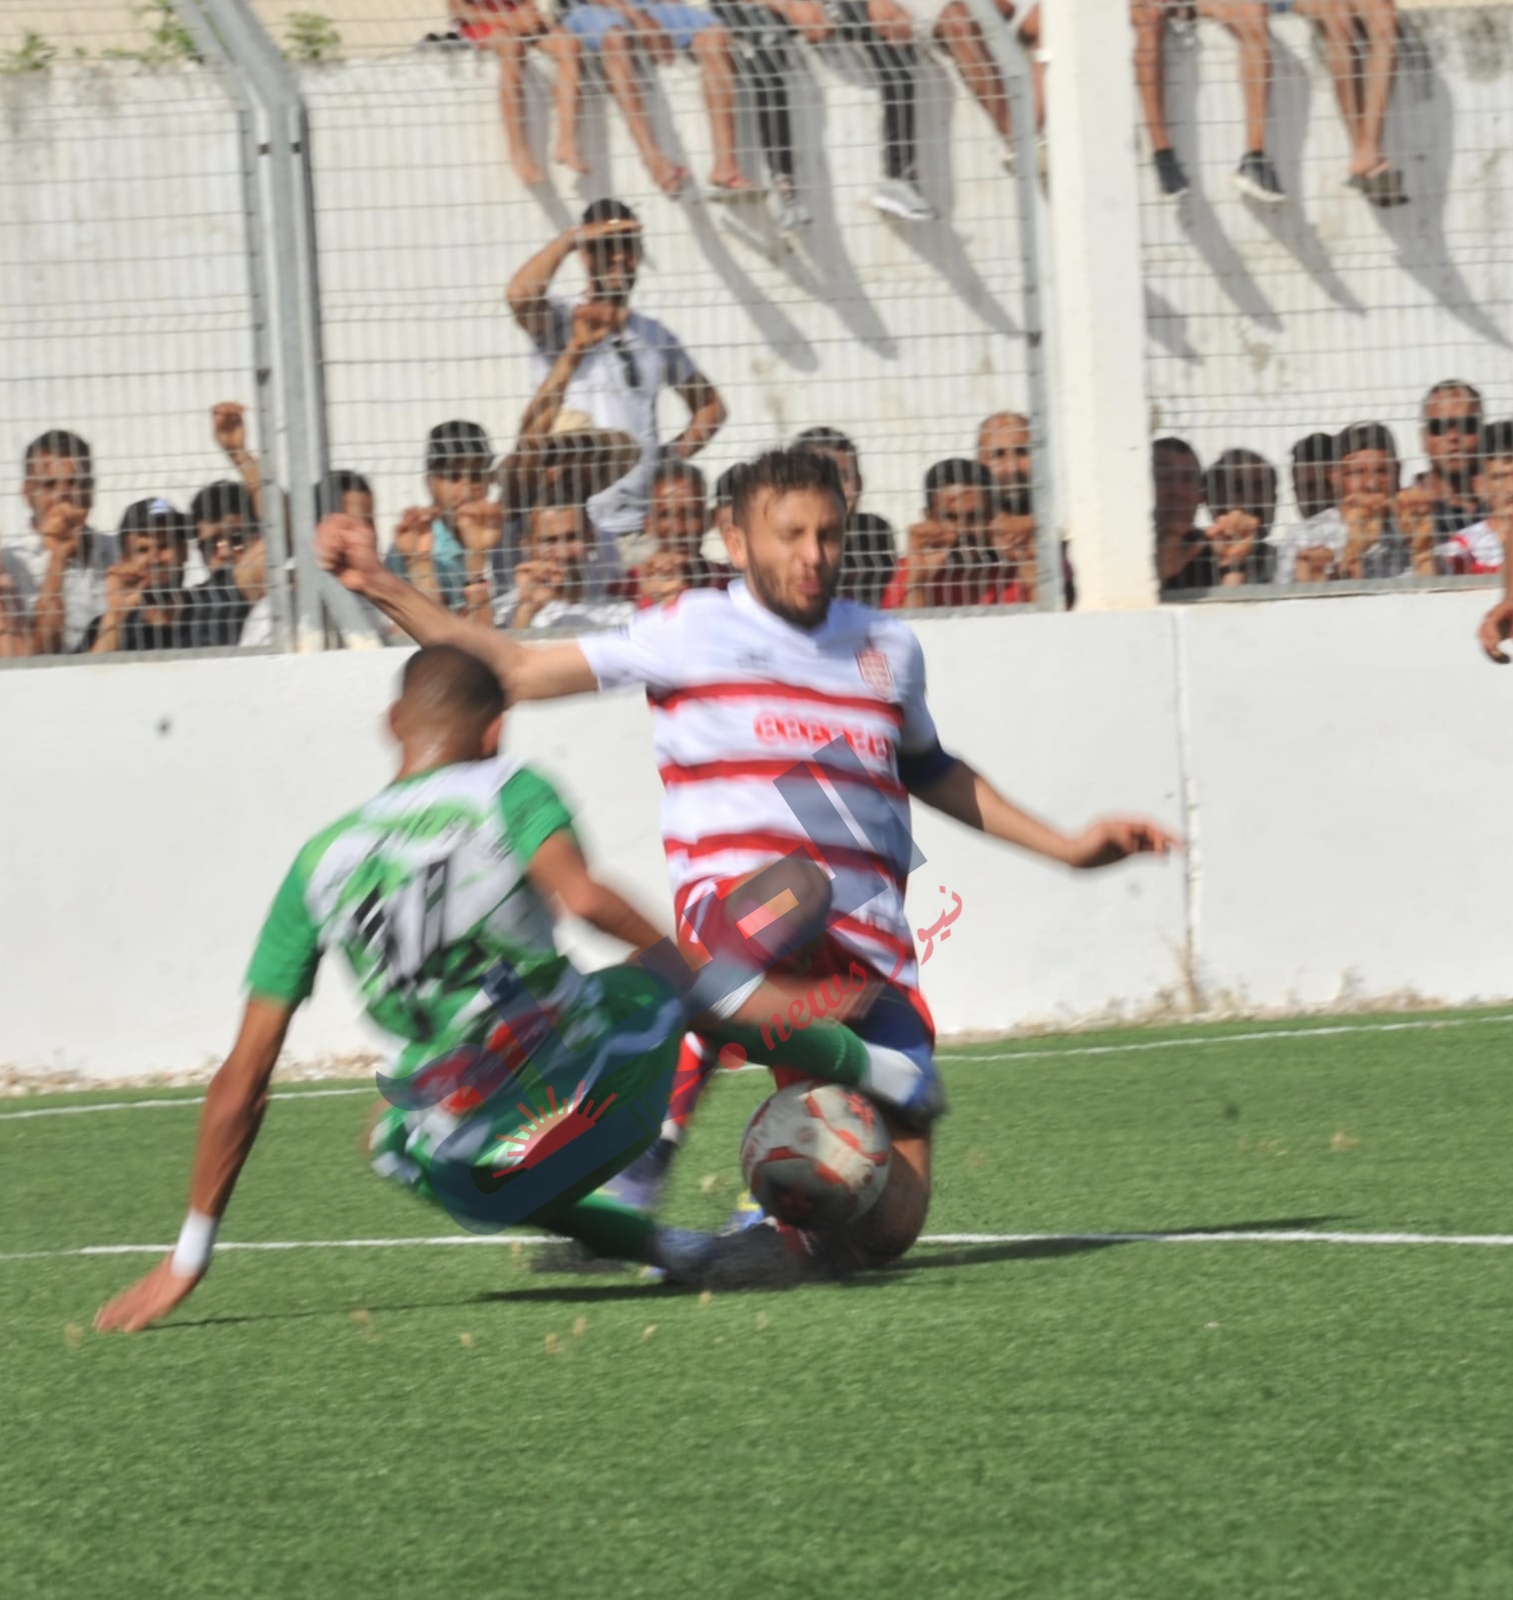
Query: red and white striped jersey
{"points": [[740, 697]]}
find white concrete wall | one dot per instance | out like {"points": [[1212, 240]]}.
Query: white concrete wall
{"points": [[1340, 764]]}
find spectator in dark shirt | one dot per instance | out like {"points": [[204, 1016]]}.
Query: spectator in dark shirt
{"points": [[225, 523], [147, 606], [1452, 423], [1241, 491], [1184, 557], [870, 555], [1313, 474], [949, 552]]}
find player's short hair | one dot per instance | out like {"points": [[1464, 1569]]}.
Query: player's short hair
{"points": [[454, 682], [675, 470], [217, 501], [1221, 483], [1314, 450], [1497, 442], [782, 472], [1454, 386], [1365, 436], [60, 442], [956, 472], [451, 444], [826, 438]]}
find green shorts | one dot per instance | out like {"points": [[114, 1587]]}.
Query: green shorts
{"points": [[578, 1111]]}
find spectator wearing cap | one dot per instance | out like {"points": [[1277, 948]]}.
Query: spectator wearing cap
{"points": [[1451, 424], [52, 575], [147, 606], [450, 549], [869, 557], [224, 525], [1483, 546], [620, 361], [677, 520], [1241, 491], [1313, 474], [948, 547], [1360, 537], [1185, 559]]}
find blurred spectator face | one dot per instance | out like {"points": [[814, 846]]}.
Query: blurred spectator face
{"points": [[1452, 433], [455, 484], [1179, 487], [1494, 483], [158, 554], [962, 508], [557, 538], [851, 475], [222, 542], [358, 503], [676, 517], [1239, 482], [664, 576], [612, 264], [1369, 474], [1313, 474], [1003, 447], [57, 479]]}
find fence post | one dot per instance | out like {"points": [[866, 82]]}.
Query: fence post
{"points": [[1098, 305], [261, 69]]}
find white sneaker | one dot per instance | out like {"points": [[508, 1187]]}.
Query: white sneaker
{"points": [[788, 211], [899, 198]]}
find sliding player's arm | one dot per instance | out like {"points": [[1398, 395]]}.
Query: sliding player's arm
{"points": [[234, 1106], [349, 549]]}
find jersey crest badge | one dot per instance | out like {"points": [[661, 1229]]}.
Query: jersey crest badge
{"points": [[875, 671]]}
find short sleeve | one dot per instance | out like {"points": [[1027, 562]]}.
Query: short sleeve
{"points": [[533, 811], [647, 650], [918, 731], [677, 365], [288, 949]]}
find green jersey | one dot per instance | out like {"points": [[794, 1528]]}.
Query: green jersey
{"points": [[423, 890]]}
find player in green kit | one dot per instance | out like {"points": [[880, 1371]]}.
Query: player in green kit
{"points": [[446, 880]]}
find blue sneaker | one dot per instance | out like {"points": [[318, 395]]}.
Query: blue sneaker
{"points": [[639, 1187], [747, 1214]]}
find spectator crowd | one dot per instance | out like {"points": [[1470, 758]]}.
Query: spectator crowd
{"points": [[590, 513]]}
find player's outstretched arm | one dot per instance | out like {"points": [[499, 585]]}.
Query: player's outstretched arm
{"points": [[967, 796], [234, 1106]]}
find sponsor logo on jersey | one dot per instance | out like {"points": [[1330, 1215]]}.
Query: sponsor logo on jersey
{"points": [[875, 671], [772, 728]]}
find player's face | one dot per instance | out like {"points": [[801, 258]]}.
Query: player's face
{"points": [[1003, 447], [54, 480], [790, 553], [676, 517]]}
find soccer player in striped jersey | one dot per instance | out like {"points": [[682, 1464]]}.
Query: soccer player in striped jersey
{"points": [[774, 706]]}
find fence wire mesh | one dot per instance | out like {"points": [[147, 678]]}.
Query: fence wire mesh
{"points": [[129, 318], [1327, 248]]}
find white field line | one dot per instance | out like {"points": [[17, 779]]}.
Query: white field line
{"points": [[1257, 1236], [1134, 1047]]}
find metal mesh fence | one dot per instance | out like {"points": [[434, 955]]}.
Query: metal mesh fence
{"points": [[128, 316], [825, 238], [1327, 248]]}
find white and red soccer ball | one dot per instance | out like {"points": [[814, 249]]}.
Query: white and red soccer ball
{"points": [[816, 1156]]}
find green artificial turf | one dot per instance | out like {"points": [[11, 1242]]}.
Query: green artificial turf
{"points": [[1073, 1419]]}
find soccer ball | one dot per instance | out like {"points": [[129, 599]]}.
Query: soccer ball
{"points": [[816, 1156]]}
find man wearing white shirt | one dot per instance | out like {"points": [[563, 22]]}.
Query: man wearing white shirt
{"points": [[56, 568], [618, 374], [552, 588]]}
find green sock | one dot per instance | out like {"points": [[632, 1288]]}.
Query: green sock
{"points": [[825, 1050], [608, 1229]]}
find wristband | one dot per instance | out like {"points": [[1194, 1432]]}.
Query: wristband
{"points": [[191, 1255]]}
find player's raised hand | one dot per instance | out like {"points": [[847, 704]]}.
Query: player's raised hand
{"points": [[148, 1300], [1113, 839], [348, 549], [1496, 629]]}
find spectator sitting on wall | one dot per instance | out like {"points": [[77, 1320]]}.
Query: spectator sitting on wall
{"points": [[657, 31], [453, 544], [1452, 422], [676, 520], [147, 606], [1359, 42], [553, 587], [957, 31], [1184, 557], [224, 525], [1241, 491], [1313, 474], [55, 571], [508, 28], [948, 547], [1483, 546], [870, 553], [1359, 537], [618, 374], [1255, 177]]}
